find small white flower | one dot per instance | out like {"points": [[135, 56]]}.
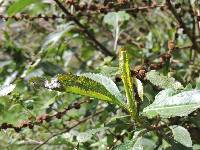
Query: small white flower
{"points": [[52, 84]]}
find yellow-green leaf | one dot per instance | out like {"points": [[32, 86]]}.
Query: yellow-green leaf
{"points": [[127, 80], [92, 85], [19, 5]]}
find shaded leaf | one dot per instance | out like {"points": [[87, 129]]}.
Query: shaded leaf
{"points": [[54, 37], [197, 86], [168, 105], [86, 136], [127, 145], [134, 144], [163, 81]]}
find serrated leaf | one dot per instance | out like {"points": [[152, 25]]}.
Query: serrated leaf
{"points": [[163, 81], [124, 69], [92, 85], [86, 136], [106, 82], [181, 135], [168, 105], [6, 89], [19, 5], [127, 145]]}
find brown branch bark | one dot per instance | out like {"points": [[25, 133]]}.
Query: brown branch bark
{"points": [[68, 129], [182, 24], [93, 41]]}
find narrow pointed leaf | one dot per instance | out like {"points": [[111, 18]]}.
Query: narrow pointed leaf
{"points": [[168, 105], [126, 78], [163, 81], [92, 85]]}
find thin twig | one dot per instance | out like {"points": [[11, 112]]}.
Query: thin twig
{"points": [[93, 41], [182, 24], [68, 129]]}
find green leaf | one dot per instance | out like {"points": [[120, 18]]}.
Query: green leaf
{"points": [[127, 145], [92, 85], [106, 82], [143, 144], [168, 105], [6, 89], [86, 136], [188, 87], [54, 37], [120, 16], [124, 69], [197, 86], [138, 144], [134, 144], [163, 81], [181, 135], [109, 71], [19, 5]]}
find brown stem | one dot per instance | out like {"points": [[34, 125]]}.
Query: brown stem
{"points": [[182, 24], [93, 41], [68, 129]]}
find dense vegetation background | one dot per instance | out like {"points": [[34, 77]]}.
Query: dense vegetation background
{"points": [[44, 38]]}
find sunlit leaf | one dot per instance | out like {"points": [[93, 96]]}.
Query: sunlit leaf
{"points": [[163, 81], [124, 69], [92, 85], [127, 145], [106, 82], [181, 135], [168, 105], [19, 5]]}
